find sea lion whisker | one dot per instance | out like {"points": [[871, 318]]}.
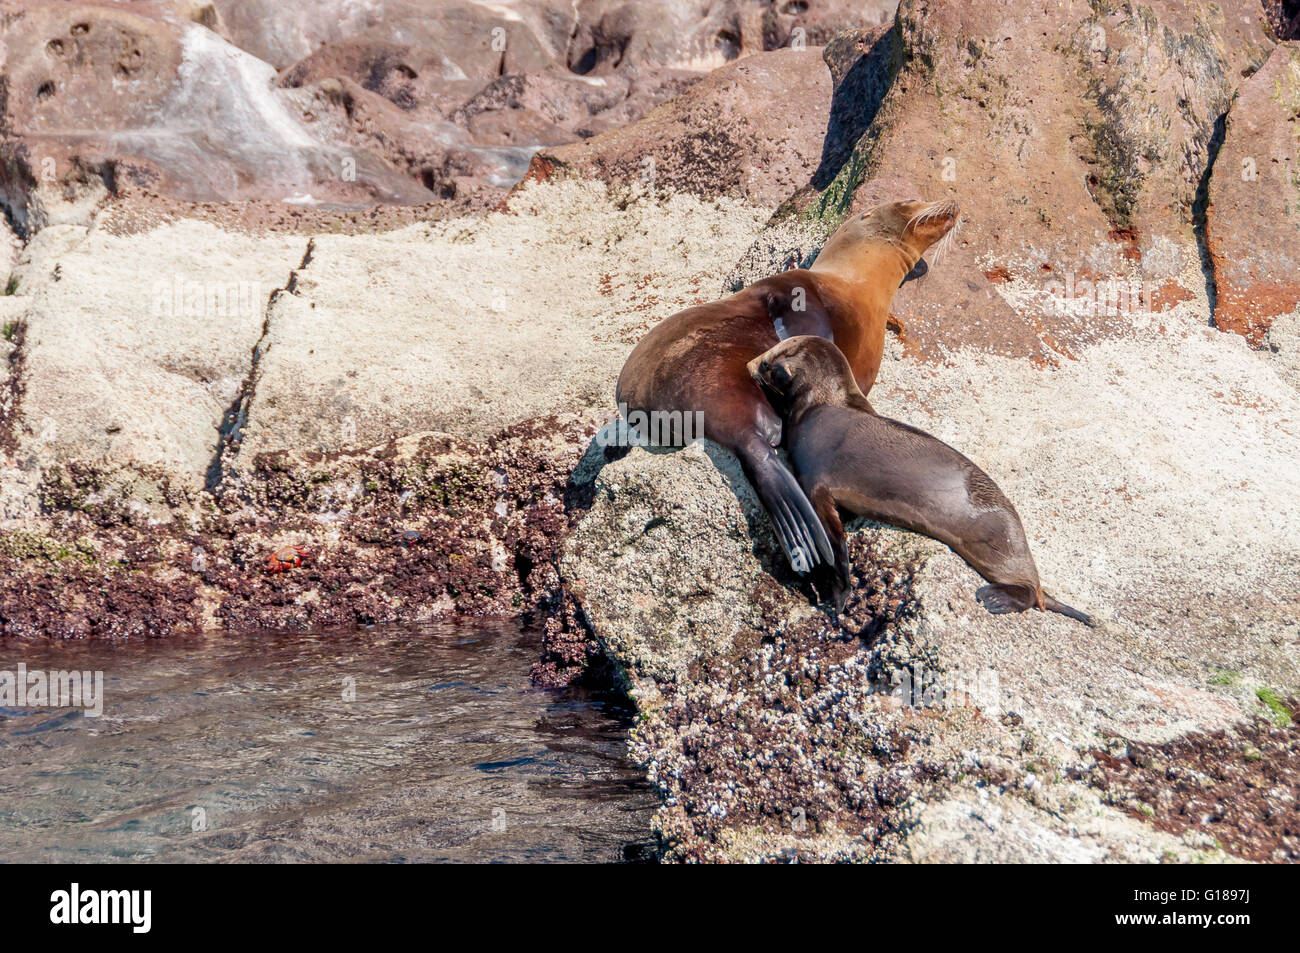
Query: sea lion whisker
{"points": [[942, 245], [917, 219]]}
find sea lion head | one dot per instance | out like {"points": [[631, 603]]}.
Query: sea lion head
{"points": [[912, 228], [804, 370], [923, 225]]}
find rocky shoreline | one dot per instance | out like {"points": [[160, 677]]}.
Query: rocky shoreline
{"points": [[412, 393]]}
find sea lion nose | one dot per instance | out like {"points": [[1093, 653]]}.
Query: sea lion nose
{"points": [[764, 367]]}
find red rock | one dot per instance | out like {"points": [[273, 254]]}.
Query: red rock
{"points": [[618, 36], [437, 154], [444, 63], [283, 33], [1252, 224], [1283, 18], [555, 106], [392, 101], [752, 129], [109, 98], [1073, 139]]}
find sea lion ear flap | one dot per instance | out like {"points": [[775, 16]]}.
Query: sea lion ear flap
{"points": [[918, 271]]}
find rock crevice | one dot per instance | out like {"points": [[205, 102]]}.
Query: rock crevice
{"points": [[235, 419]]}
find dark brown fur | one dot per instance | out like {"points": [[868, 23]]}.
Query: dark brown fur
{"points": [[845, 454]]}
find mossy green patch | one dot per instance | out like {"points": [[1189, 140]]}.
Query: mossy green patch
{"points": [[1117, 181], [35, 546], [1276, 705]]}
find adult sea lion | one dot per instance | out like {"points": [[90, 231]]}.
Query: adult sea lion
{"points": [[696, 360], [844, 453]]}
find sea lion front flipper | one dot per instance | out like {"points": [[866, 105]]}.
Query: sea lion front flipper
{"points": [[800, 532], [798, 310]]}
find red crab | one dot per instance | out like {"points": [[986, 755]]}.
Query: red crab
{"points": [[290, 557]]}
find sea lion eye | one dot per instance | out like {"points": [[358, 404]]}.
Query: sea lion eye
{"points": [[781, 376]]}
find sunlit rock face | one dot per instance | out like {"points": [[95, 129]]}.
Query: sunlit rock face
{"points": [[109, 98], [273, 282], [335, 103], [1253, 214], [1078, 142]]}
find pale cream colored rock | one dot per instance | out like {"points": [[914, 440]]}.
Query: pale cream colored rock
{"points": [[469, 326], [978, 827], [1283, 345], [135, 345]]}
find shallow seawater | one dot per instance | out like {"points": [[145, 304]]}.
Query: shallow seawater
{"points": [[422, 743]]}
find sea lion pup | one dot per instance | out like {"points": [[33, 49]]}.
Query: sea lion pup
{"points": [[844, 453], [696, 359]]}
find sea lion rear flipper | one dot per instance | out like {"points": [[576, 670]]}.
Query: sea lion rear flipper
{"points": [[800, 532], [1053, 605], [1001, 600], [829, 515]]}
